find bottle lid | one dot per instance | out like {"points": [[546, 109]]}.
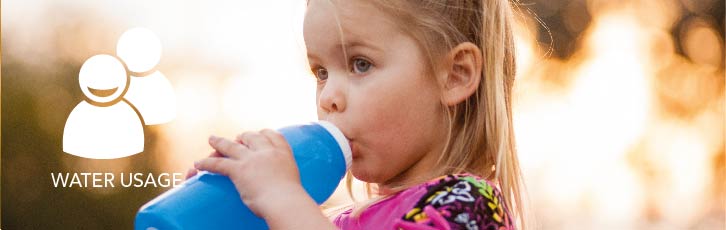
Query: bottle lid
{"points": [[342, 141]]}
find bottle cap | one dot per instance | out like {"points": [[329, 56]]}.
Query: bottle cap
{"points": [[342, 141]]}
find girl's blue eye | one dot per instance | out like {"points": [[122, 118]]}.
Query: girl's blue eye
{"points": [[361, 65], [321, 74]]}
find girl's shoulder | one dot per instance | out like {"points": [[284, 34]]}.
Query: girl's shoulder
{"points": [[459, 201]]}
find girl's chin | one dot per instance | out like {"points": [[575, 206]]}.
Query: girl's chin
{"points": [[362, 174], [366, 174]]}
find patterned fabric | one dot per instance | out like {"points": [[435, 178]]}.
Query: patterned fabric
{"points": [[461, 201]]}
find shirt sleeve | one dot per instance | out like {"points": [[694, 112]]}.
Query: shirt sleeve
{"points": [[458, 202]]}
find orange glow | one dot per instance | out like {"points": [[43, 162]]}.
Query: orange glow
{"points": [[592, 142]]}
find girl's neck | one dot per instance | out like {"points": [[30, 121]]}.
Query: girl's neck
{"points": [[418, 173]]}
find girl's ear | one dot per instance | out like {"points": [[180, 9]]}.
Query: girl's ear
{"points": [[461, 74]]}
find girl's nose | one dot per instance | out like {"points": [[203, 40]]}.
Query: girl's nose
{"points": [[332, 96]]}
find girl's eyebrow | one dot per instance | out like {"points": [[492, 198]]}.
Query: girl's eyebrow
{"points": [[348, 45], [312, 57], [358, 43]]}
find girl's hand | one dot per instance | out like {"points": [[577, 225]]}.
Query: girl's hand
{"points": [[262, 168], [193, 171]]}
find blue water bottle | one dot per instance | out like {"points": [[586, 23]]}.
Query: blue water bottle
{"points": [[211, 201]]}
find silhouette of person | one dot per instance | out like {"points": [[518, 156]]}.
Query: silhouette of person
{"points": [[104, 126], [149, 90]]}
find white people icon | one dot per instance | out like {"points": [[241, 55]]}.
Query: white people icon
{"points": [[107, 124], [150, 92], [104, 126]]}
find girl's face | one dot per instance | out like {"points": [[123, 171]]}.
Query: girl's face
{"points": [[378, 93]]}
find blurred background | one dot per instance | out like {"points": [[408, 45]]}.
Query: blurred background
{"points": [[619, 105]]}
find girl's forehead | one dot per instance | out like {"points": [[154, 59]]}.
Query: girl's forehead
{"points": [[327, 20]]}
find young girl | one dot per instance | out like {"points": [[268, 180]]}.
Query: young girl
{"points": [[422, 89]]}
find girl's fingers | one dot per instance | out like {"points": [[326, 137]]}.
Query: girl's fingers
{"points": [[191, 172], [254, 140], [215, 153], [218, 165], [226, 147], [275, 138]]}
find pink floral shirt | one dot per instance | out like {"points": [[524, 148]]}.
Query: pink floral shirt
{"points": [[462, 201]]}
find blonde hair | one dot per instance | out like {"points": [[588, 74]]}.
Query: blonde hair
{"points": [[480, 137]]}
